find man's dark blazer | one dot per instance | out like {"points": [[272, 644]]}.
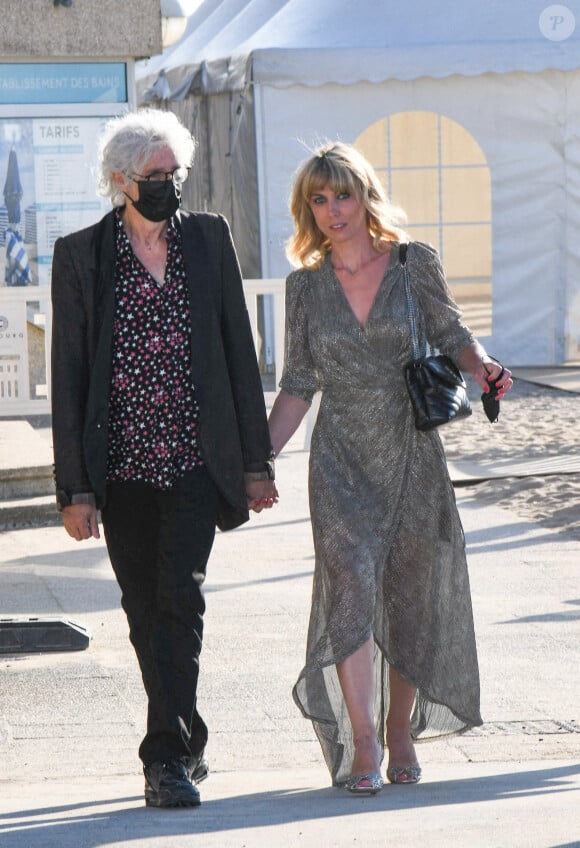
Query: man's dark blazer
{"points": [[233, 430]]}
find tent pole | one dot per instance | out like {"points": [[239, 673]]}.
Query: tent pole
{"points": [[265, 266]]}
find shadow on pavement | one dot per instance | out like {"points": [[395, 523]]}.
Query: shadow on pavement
{"points": [[82, 825]]}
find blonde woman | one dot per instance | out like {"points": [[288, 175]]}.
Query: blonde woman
{"points": [[391, 653]]}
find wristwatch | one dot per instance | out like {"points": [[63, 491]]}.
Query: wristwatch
{"points": [[62, 499], [269, 472]]}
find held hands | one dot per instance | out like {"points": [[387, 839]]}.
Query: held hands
{"points": [[262, 494], [80, 521]]}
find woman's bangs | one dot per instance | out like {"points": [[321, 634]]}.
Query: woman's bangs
{"points": [[315, 179], [326, 173]]}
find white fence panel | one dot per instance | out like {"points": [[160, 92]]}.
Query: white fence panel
{"points": [[25, 334], [25, 319]]}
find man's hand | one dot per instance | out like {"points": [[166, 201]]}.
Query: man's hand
{"points": [[262, 494], [80, 521]]}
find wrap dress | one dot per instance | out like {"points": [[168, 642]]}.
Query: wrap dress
{"points": [[389, 546]]}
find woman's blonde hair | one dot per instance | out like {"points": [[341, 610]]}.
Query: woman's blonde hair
{"points": [[341, 168]]}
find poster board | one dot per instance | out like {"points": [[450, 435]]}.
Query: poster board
{"points": [[51, 117]]}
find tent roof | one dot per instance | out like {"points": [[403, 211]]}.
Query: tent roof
{"points": [[214, 31], [312, 42]]}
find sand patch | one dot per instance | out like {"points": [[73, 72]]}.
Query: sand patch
{"points": [[536, 423]]}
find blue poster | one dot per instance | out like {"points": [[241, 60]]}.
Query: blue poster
{"points": [[48, 184], [60, 82]]}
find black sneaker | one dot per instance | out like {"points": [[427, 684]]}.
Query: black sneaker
{"points": [[198, 767], [168, 785]]}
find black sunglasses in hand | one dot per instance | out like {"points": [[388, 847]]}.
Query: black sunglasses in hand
{"points": [[489, 399]]}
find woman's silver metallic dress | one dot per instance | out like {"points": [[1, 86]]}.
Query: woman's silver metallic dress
{"points": [[390, 553]]}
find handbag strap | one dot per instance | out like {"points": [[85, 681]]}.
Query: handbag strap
{"points": [[411, 310]]}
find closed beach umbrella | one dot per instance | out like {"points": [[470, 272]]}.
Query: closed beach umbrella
{"points": [[17, 268], [13, 189]]}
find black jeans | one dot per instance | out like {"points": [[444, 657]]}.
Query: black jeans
{"points": [[159, 543]]}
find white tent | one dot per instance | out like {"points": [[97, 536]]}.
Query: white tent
{"points": [[471, 112]]}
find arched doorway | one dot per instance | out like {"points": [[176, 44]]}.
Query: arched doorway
{"points": [[436, 171]]}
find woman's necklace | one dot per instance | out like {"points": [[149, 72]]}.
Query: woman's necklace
{"points": [[353, 271], [151, 251], [149, 243], [146, 241]]}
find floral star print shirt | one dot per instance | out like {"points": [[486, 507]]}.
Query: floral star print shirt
{"points": [[153, 420]]}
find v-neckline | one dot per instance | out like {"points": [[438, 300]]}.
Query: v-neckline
{"points": [[392, 258]]}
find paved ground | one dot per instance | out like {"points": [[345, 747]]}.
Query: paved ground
{"points": [[70, 723]]}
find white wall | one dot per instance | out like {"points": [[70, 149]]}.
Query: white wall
{"points": [[528, 127]]}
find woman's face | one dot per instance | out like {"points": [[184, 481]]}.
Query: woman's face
{"points": [[161, 162], [340, 217]]}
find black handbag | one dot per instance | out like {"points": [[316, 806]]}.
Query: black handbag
{"points": [[436, 386]]}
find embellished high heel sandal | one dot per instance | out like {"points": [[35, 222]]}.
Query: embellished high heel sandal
{"points": [[364, 784], [404, 774]]}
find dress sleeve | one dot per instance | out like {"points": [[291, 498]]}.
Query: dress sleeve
{"points": [[440, 315], [299, 377]]}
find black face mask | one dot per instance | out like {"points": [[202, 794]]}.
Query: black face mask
{"points": [[158, 199]]}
